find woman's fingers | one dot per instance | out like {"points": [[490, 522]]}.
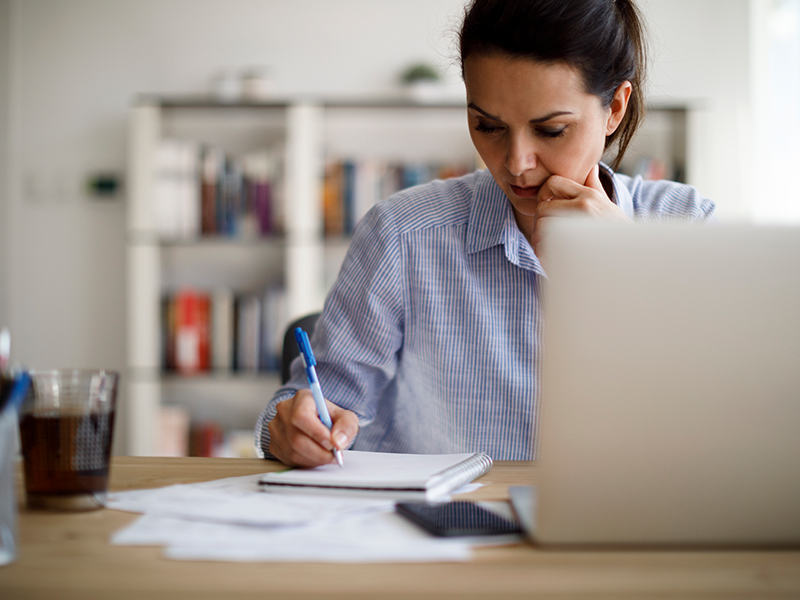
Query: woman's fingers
{"points": [[560, 197], [345, 426], [298, 436], [593, 180]]}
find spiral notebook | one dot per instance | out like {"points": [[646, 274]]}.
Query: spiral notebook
{"points": [[400, 476]]}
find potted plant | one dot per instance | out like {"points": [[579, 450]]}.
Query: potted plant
{"points": [[422, 82]]}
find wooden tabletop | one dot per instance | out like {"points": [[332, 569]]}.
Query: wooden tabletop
{"points": [[67, 555]]}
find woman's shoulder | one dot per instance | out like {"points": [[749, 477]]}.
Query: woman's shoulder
{"points": [[653, 199], [435, 204]]}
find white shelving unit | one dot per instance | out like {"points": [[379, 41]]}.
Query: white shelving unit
{"points": [[301, 258]]}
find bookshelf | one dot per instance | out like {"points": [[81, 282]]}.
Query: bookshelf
{"points": [[302, 139]]}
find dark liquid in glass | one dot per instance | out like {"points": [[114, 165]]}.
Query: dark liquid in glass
{"points": [[66, 455]]}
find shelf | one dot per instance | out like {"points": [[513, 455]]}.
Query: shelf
{"points": [[222, 378], [212, 264], [217, 242], [209, 102]]}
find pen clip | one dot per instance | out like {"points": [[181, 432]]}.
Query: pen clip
{"points": [[305, 347]]}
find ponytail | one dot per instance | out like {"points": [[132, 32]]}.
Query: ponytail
{"points": [[637, 47]]}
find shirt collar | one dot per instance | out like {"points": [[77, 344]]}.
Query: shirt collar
{"points": [[488, 214], [492, 223], [491, 220], [621, 194]]}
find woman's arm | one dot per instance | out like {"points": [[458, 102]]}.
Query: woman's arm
{"points": [[356, 343]]}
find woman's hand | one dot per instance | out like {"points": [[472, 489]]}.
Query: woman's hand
{"points": [[299, 438], [560, 197]]}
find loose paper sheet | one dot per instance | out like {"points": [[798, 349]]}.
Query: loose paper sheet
{"points": [[232, 520], [239, 500], [377, 537]]}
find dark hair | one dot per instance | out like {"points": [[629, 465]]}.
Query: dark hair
{"points": [[603, 39]]}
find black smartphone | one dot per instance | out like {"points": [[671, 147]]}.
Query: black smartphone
{"points": [[459, 518]]}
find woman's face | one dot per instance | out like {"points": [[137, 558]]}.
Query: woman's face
{"points": [[530, 120]]}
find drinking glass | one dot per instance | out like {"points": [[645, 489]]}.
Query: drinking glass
{"points": [[66, 430]]}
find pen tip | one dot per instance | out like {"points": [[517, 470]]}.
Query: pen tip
{"points": [[339, 460]]}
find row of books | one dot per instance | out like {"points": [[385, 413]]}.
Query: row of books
{"points": [[351, 187], [200, 190], [222, 331]]}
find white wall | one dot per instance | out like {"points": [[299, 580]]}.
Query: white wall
{"points": [[701, 54], [5, 6], [76, 65]]}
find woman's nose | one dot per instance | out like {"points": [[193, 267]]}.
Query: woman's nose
{"points": [[520, 156]]}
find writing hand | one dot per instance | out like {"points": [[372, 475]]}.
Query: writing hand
{"points": [[299, 438]]}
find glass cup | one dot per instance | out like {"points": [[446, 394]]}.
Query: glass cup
{"points": [[66, 428]]}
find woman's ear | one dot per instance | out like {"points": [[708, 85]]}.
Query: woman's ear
{"points": [[619, 104]]}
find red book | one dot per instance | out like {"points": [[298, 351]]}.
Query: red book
{"points": [[206, 439], [191, 332]]}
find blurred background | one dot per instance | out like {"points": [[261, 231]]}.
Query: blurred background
{"points": [[224, 77]]}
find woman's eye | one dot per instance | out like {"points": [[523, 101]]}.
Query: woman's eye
{"points": [[551, 133], [486, 128]]}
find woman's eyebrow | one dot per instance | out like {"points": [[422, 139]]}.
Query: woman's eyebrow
{"points": [[552, 115]]}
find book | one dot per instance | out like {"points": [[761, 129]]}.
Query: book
{"points": [[191, 332], [222, 329], [273, 327], [426, 477], [168, 333], [212, 165], [205, 439], [248, 334], [259, 191], [176, 196], [351, 186], [173, 439]]}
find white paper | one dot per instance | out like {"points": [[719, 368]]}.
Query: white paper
{"points": [[238, 500], [231, 520], [380, 537]]}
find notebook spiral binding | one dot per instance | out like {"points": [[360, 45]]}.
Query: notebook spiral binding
{"points": [[459, 474]]}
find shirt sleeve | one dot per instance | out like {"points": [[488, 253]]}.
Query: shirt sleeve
{"points": [[358, 338]]}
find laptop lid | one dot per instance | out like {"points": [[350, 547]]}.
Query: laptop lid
{"points": [[671, 385]]}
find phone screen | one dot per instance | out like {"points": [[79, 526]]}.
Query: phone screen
{"points": [[459, 518]]}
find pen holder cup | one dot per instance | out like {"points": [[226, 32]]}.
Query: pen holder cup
{"points": [[8, 488]]}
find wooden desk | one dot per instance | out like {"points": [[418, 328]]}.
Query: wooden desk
{"points": [[68, 556]]}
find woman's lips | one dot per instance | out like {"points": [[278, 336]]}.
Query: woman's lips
{"points": [[525, 192]]}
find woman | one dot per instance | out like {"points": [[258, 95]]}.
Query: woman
{"points": [[430, 340]]}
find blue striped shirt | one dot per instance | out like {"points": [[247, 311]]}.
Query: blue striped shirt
{"points": [[432, 333]]}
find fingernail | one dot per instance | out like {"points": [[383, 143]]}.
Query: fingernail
{"points": [[341, 440], [327, 444]]}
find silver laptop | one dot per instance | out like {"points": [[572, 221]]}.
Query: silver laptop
{"points": [[671, 386]]}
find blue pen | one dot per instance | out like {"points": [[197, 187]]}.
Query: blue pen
{"points": [[18, 392], [309, 361]]}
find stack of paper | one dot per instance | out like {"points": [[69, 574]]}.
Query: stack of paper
{"points": [[235, 519]]}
